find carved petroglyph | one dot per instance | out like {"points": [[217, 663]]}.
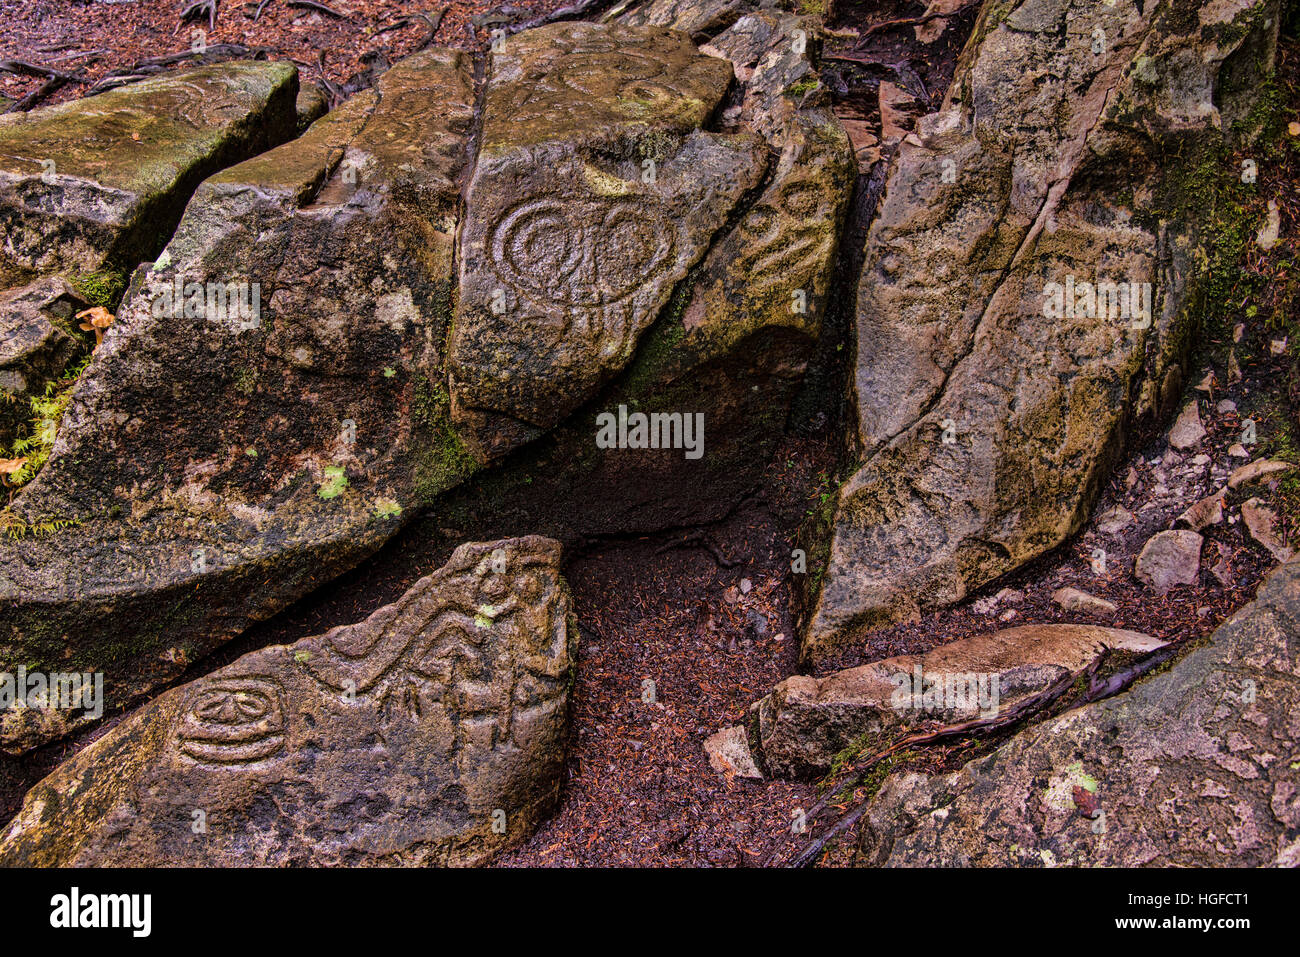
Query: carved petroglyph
{"points": [[233, 721], [438, 650], [442, 652], [390, 741], [597, 252], [785, 242], [577, 265], [587, 71], [594, 193]]}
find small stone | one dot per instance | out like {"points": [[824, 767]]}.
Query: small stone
{"points": [[1223, 570], [1260, 468], [1201, 459], [1168, 559], [1234, 367], [1073, 599], [1008, 614], [1238, 451], [1114, 520], [729, 753], [1226, 406], [746, 586], [1261, 523], [1208, 511], [1187, 430], [1011, 595]]}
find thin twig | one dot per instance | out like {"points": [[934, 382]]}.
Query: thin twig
{"points": [[24, 68], [49, 87], [572, 11], [859, 769], [319, 8], [916, 21]]}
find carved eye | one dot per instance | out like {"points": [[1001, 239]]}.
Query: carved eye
{"points": [[802, 199], [582, 252], [232, 706]]}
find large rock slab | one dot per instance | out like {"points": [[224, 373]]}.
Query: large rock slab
{"points": [[806, 722], [989, 411], [101, 182], [594, 192], [433, 732], [1194, 767], [732, 345], [91, 187], [221, 462], [305, 440]]}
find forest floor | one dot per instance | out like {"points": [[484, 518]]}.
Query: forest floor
{"points": [[93, 37], [709, 617]]}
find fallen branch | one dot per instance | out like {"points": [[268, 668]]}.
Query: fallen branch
{"points": [[704, 541], [24, 68], [854, 775], [199, 9], [46, 89], [571, 11], [260, 7], [319, 8], [143, 69], [917, 21], [113, 82], [431, 22]]}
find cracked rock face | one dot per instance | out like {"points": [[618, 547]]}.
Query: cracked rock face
{"points": [[91, 187], [805, 722], [249, 426], [221, 464], [593, 193], [1004, 339], [39, 339], [1194, 767], [732, 344], [431, 733]]}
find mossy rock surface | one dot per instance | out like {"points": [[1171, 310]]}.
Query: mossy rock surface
{"points": [[990, 409], [101, 182], [432, 732], [245, 432]]}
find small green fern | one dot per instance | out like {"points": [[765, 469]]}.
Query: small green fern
{"points": [[35, 444]]}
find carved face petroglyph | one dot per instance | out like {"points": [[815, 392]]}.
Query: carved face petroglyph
{"points": [[233, 721]]}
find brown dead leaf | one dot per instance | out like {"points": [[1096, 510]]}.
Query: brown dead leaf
{"points": [[97, 319], [10, 466], [1086, 801]]}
